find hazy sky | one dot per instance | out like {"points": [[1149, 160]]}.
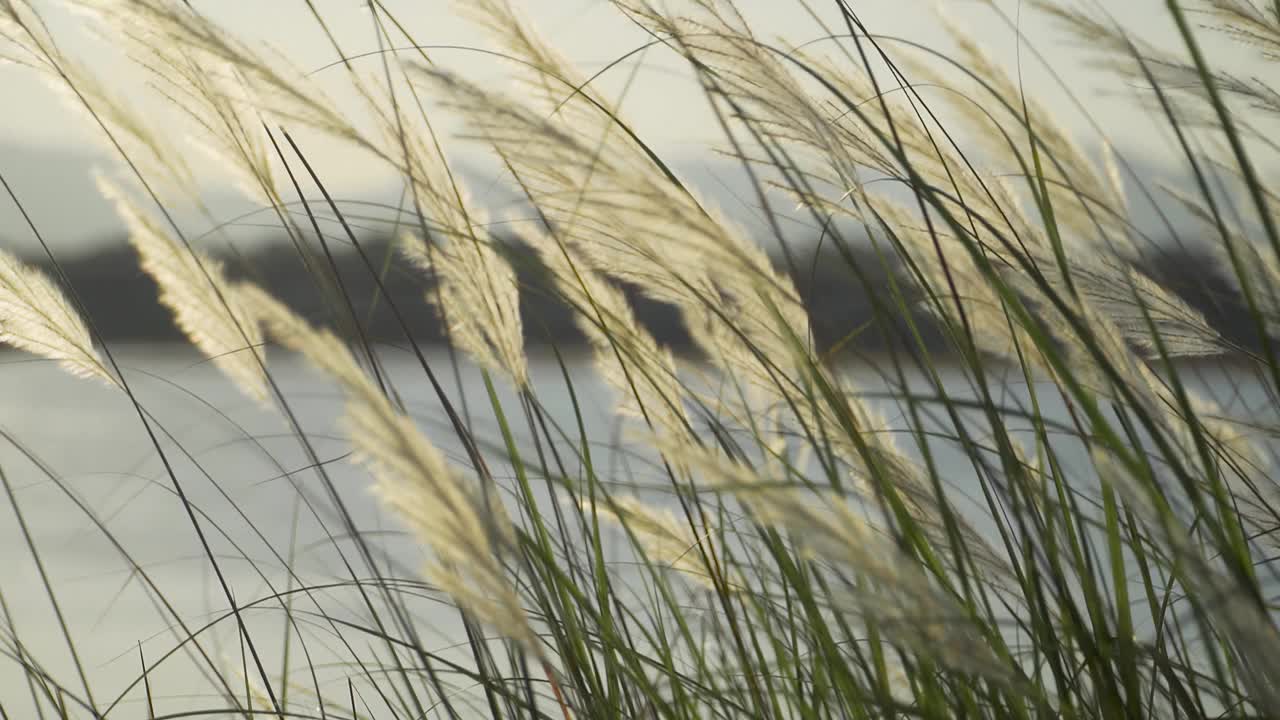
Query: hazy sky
{"points": [[46, 149]]}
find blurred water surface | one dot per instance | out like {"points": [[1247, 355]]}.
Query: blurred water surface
{"points": [[91, 487]]}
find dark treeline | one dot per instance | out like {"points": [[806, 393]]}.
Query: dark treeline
{"points": [[122, 301]]}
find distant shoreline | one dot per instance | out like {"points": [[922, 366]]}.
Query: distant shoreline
{"points": [[121, 301]]}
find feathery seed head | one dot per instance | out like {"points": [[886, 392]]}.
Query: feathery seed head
{"points": [[469, 536], [478, 297], [36, 316], [195, 289]]}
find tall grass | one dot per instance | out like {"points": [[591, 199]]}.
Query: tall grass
{"points": [[778, 553]]}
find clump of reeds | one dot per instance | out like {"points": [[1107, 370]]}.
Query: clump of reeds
{"points": [[780, 554]]}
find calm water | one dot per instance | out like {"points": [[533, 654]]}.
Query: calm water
{"points": [[84, 455]]}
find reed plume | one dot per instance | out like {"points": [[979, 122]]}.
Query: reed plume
{"points": [[1086, 199], [125, 131], [477, 295], [469, 536], [36, 316], [209, 92], [598, 187], [195, 289], [641, 373], [274, 86], [479, 298]]}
